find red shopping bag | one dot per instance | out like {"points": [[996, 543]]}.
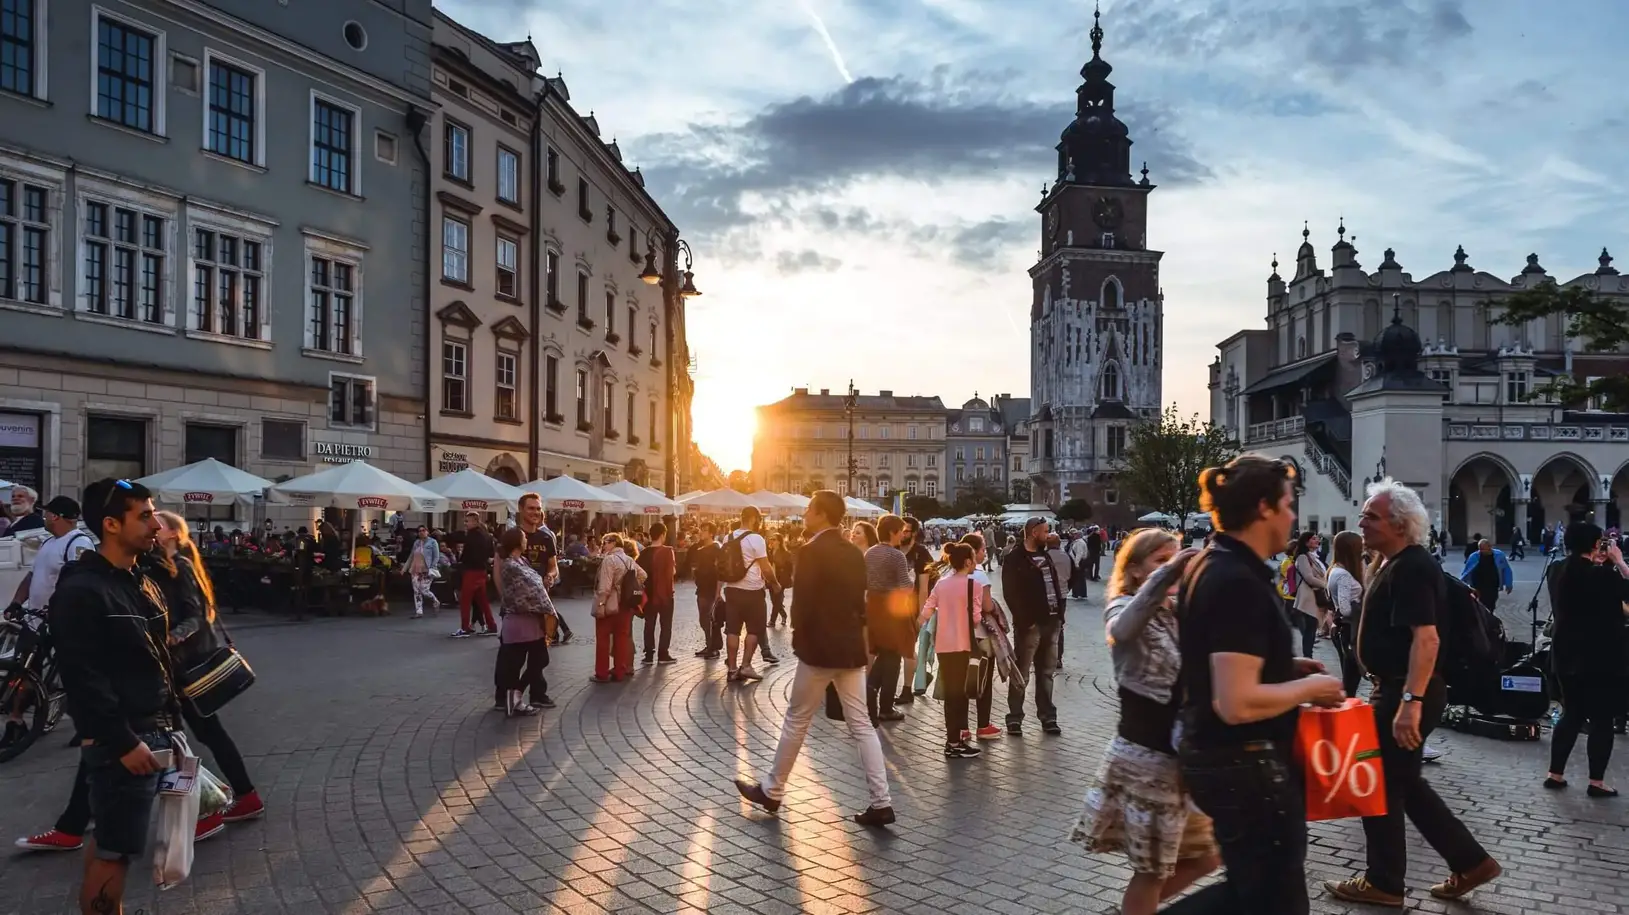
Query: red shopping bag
{"points": [[1340, 753]]}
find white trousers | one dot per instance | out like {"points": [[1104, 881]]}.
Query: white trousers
{"points": [[421, 590], [809, 699]]}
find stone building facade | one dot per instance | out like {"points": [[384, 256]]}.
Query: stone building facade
{"points": [[976, 439], [1015, 418], [1364, 374], [211, 238], [802, 444], [1097, 316]]}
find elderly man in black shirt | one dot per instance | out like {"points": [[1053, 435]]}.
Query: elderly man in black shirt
{"points": [[1398, 643]]}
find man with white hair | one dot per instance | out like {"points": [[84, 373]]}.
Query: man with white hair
{"points": [[1398, 644], [24, 515]]}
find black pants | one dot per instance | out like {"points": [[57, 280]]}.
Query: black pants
{"points": [[520, 666], [777, 604], [953, 674], [75, 819], [1408, 794], [1592, 700], [882, 682], [1094, 564], [658, 610], [1257, 802], [710, 610], [1345, 638], [1489, 599], [1308, 627]]}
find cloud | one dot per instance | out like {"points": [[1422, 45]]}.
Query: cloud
{"points": [[790, 262], [940, 128], [983, 245]]}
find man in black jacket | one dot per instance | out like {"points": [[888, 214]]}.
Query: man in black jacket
{"points": [[828, 637], [109, 626], [1033, 580]]}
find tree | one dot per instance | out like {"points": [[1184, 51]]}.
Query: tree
{"points": [[1020, 490], [1074, 510], [979, 497], [741, 482], [1164, 457], [924, 507], [1602, 325]]}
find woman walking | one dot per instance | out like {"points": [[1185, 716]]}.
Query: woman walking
{"points": [[1591, 587], [524, 646], [421, 571], [994, 621], [1311, 581], [960, 604], [1346, 593], [613, 623], [1136, 803]]}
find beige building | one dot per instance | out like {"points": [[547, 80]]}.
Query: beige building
{"points": [[802, 444], [1365, 374]]}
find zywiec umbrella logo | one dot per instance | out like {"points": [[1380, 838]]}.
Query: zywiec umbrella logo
{"points": [[372, 502], [196, 497], [653, 510], [474, 505], [573, 505]]}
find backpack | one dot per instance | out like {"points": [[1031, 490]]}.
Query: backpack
{"points": [[631, 595], [732, 562], [1475, 640], [1292, 578]]}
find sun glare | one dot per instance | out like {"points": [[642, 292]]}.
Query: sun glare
{"points": [[725, 419]]}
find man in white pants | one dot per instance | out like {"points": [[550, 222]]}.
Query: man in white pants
{"points": [[828, 637]]}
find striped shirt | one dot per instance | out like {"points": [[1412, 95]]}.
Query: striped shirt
{"points": [[887, 569]]}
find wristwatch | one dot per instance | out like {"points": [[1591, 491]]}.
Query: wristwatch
{"points": [[1410, 697]]}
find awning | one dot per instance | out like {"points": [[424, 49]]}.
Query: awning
{"points": [[1291, 375]]}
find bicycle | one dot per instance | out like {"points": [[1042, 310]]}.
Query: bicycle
{"points": [[31, 686]]}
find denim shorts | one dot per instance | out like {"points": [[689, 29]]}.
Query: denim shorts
{"points": [[121, 803]]}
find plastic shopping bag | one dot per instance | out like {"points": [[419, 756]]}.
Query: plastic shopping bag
{"points": [[177, 825], [1339, 750], [213, 795]]}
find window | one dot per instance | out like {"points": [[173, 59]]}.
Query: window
{"points": [[611, 225], [124, 262], [228, 284], [912, 433], [910, 487], [977, 424], [653, 349], [127, 67], [551, 389], [1108, 239], [384, 147], [455, 151], [282, 440], [582, 297], [350, 401], [17, 59], [508, 255], [978, 453], [961, 474], [1116, 442], [232, 126], [551, 277], [884, 434], [333, 296], [632, 337], [551, 160], [910, 460], [819, 459], [1111, 382], [582, 398], [882, 461], [933, 460], [610, 312], [582, 201], [115, 447], [508, 176], [454, 377], [25, 233], [979, 471], [505, 405], [652, 415], [608, 404], [1515, 387], [961, 453], [454, 249], [933, 488], [1111, 497], [333, 143], [631, 425], [1444, 377], [220, 443]]}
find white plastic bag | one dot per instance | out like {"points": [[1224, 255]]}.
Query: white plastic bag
{"points": [[213, 795], [177, 826]]}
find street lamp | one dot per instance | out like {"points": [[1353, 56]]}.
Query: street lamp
{"points": [[849, 403], [676, 287], [653, 276]]}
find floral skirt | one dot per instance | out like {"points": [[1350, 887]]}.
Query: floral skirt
{"points": [[1135, 804]]}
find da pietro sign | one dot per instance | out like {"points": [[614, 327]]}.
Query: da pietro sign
{"points": [[341, 452]]}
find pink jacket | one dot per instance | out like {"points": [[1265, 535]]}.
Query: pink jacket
{"points": [[949, 599]]}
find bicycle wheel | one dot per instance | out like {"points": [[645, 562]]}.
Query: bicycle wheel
{"points": [[23, 691]]}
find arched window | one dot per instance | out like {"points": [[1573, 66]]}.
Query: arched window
{"points": [[1301, 347], [1111, 381], [1110, 296]]}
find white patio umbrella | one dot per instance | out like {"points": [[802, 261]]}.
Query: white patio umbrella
{"points": [[686, 495], [357, 485], [471, 490], [777, 504], [719, 501], [798, 502], [204, 482], [859, 508], [644, 500], [1157, 518], [572, 494]]}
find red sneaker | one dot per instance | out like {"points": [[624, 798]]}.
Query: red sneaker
{"points": [[209, 826], [989, 732], [246, 807], [51, 840]]}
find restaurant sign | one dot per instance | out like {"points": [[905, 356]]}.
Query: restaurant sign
{"points": [[473, 505], [198, 498], [372, 502], [452, 462], [573, 505], [341, 452]]}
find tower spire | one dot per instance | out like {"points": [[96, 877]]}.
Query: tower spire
{"points": [[1097, 29]]}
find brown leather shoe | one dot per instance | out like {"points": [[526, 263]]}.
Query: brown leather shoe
{"points": [[1458, 886], [754, 792], [1359, 889]]}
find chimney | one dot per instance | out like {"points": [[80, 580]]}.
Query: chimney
{"points": [[885, 393], [825, 392], [800, 392]]}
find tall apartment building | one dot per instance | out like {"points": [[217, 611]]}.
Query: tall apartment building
{"points": [[211, 237], [802, 444]]}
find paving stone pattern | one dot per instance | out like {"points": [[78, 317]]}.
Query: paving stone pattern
{"points": [[392, 786]]}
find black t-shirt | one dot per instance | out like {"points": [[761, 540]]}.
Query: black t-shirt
{"points": [[1227, 604], [540, 549], [1485, 577], [1408, 591], [477, 552], [704, 565], [1591, 634]]}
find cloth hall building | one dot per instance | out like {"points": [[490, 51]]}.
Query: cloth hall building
{"points": [[1361, 374]]}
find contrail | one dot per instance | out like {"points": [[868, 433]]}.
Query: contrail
{"points": [[820, 27]]}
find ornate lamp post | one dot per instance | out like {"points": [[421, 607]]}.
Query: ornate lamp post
{"points": [[849, 403], [676, 287]]}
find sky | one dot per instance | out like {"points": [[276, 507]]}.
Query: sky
{"points": [[858, 177]]}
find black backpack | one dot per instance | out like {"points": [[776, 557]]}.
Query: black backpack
{"points": [[1475, 640], [732, 563], [631, 595]]}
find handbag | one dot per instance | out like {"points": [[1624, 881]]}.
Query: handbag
{"points": [[177, 823], [1339, 750], [217, 679]]}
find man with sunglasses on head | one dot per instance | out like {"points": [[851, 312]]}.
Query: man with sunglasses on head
{"points": [[110, 627]]}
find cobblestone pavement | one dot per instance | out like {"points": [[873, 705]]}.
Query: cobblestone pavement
{"points": [[392, 786]]}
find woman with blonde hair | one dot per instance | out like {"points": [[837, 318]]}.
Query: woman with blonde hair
{"points": [[1135, 804]]}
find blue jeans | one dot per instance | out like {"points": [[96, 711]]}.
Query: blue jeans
{"points": [[120, 803], [926, 660]]}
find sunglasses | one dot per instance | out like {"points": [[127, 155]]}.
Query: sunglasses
{"points": [[113, 491]]}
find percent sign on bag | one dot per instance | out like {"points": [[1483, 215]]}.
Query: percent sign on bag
{"points": [[1340, 750]]}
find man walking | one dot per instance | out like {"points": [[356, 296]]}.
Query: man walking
{"points": [[542, 554], [709, 612], [890, 616], [746, 603], [828, 637], [473, 562], [1032, 581], [109, 625], [1487, 572], [658, 561], [1094, 553], [1398, 642]]}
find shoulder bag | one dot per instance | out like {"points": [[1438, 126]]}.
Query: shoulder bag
{"points": [[218, 678], [973, 683]]}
